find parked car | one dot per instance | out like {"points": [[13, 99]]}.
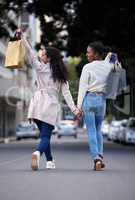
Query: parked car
{"points": [[105, 128], [130, 131], [55, 130], [69, 117], [27, 130], [114, 130], [84, 130], [67, 128], [122, 132]]}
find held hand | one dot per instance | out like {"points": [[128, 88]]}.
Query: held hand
{"points": [[77, 113]]}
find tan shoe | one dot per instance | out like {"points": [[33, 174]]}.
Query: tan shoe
{"points": [[35, 160], [103, 164], [98, 165]]}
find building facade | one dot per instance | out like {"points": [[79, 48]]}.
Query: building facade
{"points": [[16, 86]]}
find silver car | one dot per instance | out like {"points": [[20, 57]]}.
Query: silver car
{"points": [[122, 132], [27, 130], [130, 131], [114, 129], [67, 128], [105, 128]]}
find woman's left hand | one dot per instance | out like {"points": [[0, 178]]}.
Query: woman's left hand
{"points": [[77, 112], [18, 33]]}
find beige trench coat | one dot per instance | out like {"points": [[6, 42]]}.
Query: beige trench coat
{"points": [[45, 104]]}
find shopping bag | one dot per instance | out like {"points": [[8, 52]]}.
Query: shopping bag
{"points": [[15, 54], [122, 81], [116, 83], [112, 85]]}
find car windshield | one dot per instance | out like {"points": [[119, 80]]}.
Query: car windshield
{"points": [[69, 117], [115, 123], [131, 124], [25, 127], [124, 124]]}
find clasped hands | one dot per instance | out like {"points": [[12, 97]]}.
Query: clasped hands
{"points": [[78, 113]]}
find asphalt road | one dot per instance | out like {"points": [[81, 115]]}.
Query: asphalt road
{"points": [[73, 179]]}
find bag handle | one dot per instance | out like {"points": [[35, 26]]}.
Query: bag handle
{"points": [[117, 67]]}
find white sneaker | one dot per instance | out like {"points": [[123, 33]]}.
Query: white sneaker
{"points": [[50, 165], [35, 160]]}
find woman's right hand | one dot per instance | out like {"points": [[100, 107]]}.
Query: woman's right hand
{"points": [[18, 30]]}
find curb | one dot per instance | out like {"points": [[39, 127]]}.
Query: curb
{"points": [[7, 140]]}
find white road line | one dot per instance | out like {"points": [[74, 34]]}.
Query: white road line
{"points": [[11, 161]]}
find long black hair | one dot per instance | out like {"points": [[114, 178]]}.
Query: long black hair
{"points": [[59, 71]]}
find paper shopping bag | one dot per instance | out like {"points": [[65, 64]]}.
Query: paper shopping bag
{"points": [[15, 55]]}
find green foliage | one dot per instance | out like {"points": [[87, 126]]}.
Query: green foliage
{"points": [[73, 81], [112, 23], [72, 63]]}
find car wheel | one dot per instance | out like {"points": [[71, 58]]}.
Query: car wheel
{"points": [[116, 141], [59, 136], [109, 139], [18, 139]]}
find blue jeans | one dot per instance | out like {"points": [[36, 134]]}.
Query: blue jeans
{"points": [[94, 106], [45, 136]]}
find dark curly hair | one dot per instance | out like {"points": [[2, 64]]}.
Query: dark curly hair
{"points": [[59, 71], [100, 48]]}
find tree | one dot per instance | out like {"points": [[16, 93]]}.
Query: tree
{"points": [[75, 23]]}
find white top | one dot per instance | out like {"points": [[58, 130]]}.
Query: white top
{"points": [[93, 78]]}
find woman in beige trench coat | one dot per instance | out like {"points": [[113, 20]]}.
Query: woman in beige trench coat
{"points": [[52, 80]]}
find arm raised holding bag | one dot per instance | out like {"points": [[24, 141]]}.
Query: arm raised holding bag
{"points": [[41, 65], [31, 54]]}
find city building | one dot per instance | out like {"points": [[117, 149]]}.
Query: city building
{"points": [[16, 86]]}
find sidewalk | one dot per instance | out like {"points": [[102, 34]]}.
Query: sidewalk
{"points": [[7, 140]]}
